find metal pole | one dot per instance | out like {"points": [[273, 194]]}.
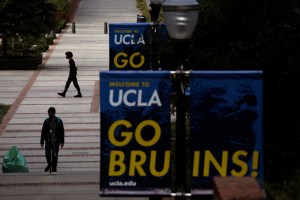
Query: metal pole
{"points": [[154, 46], [180, 49], [105, 27], [73, 27], [180, 151], [154, 12]]}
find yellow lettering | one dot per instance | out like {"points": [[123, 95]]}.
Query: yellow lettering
{"points": [[132, 64], [116, 160], [166, 166], [157, 133], [136, 164], [209, 158], [123, 61], [241, 163], [126, 135], [196, 163]]}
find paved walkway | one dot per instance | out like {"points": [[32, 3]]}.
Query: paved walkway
{"points": [[31, 93]]}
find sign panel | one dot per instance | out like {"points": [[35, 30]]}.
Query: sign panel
{"points": [[226, 126], [135, 133], [129, 46]]}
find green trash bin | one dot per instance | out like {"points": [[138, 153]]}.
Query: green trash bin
{"points": [[14, 161]]}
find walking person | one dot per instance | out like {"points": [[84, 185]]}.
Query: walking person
{"points": [[72, 76], [53, 135]]}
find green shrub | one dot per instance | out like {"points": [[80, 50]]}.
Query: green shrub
{"points": [[48, 39], [20, 62], [17, 50], [141, 5], [62, 11], [143, 8], [61, 24], [3, 111]]}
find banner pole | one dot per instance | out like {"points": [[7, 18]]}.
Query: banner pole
{"points": [[180, 151]]}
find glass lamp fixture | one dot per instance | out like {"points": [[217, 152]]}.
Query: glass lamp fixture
{"points": [[180, 17]]}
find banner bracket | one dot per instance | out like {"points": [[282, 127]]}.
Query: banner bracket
{"points": [[180, 72], [181, 194]]}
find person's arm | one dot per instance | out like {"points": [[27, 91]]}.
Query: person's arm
{"points": [[62, 134], [43, 132], [72, 65]]}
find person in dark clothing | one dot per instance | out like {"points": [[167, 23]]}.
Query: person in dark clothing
{"points": [[53, 135], [72, 76]]}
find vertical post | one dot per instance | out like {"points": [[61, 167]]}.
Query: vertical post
{"points": [[105, 27], [180, 49], [154, 13], [73, 27], [180, 145], [154, 46]]}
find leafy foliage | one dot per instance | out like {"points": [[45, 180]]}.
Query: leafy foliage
{"points": [[61, 13], [27, 29], [3, 111], [259, 35], [31, 17], [142, 6], [22, 19], [249, 34]]}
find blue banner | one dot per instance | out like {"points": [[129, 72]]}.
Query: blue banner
{"points": [[226, 126], [135, 133], [129, 46]]}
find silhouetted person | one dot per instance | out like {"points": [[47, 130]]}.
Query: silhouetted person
{"points": [[53, 135], [72, 76]]}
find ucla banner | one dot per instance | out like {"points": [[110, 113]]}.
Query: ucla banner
{"points": [[135, 133], [226, 126], [129, 46]]}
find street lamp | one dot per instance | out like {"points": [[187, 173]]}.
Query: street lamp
{"points": [[180, 17], [154, 13], [155, 9]]}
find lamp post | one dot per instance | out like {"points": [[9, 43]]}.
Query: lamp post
{"points": [[155, 9], [155, 6], [180, 18], [154, 12]]}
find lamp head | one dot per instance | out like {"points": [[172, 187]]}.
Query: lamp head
{"points": [[180, 17]]}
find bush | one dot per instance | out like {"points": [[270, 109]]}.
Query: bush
{"points": [[61, 24], [25, 51], [141, 5], [20, 62], [3, 111], [62, 11]]}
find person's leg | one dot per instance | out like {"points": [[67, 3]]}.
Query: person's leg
{"points": [[75, 83], [63, 94], [55, 158], [48, 156]]}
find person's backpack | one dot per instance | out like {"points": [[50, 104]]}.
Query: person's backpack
{"points": [[53, 137]]}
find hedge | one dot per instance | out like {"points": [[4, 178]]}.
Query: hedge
{"points": [[20, 62]]}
